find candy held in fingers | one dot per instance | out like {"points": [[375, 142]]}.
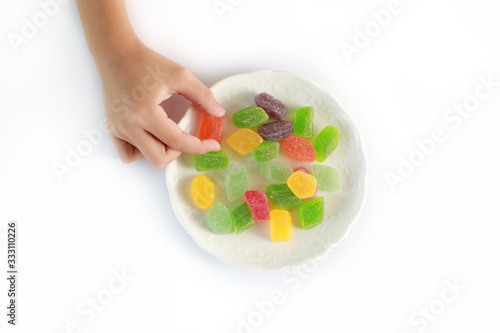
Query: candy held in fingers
{"points": [[219, 219], [211, 161], [326, 142], [275, 171], [237, 183], [249, 117], [257, 201], [242, 218], [276, 131], [266, 152], [274, 108], [282, 197], [327, 177], [302, 184], [312, 213], [203, 191], [281, 225], [211, 127], [299, 149], [244, 141], [303, 124]]}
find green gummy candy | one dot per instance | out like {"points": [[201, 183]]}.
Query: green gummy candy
{"points": [[275, 171], [250, 117], [219, 219], [242, 218], [312, 213], [326, 142], [267, 151], [211, 161], [237, 183], [303, 124], [282, 197], [327, 178]]}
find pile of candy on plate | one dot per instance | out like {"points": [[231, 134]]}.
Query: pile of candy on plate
{"points": [[297, 188]]}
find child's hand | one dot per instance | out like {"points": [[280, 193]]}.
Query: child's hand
{"points": [[135, 80]]}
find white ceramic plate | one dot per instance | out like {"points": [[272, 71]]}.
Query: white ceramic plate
{"points": [[253, 249]]}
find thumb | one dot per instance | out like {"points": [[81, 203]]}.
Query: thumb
{"points": [[201, 97]]}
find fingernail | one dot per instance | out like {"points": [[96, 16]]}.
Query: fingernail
{"points": [[220, 110], [215, 146]]}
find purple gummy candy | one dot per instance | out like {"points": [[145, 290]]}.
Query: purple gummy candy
{"points": [[274, 108], [276, 131]]}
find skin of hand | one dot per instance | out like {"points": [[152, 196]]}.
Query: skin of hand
{"points": [[135, 80]]}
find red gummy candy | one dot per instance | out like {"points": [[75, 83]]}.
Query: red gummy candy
{"points": [[257, 201], [211, 127], [301, 169], [300, 149], [274, 108]]}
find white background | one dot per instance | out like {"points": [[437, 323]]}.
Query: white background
{"points": [[440, 225]]}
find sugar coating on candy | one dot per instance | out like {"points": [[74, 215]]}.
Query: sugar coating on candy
{"points": [[275, 171], [211, 161], [219, 219], [282, 197], [237, 183], [299, 149], [211, 127], [244, 141], [326, 142], [281, 225], [327, 177], [276, 131], [249, 117], [242, 218], [312, 213], [301, 169], [266, 152], [257, 201], [274, 108], [203, 191], [303, 185], [303, 124]]}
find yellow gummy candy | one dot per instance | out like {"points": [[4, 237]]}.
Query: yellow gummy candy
{"points": [[281, 226], [244, 141], [302, 184], [203, 191]]}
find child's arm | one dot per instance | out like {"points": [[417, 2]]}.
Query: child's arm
{"points": [[135, 80]]}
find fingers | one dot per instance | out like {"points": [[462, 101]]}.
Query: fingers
{"points": [[155, 151], [127, 152], [173, 136], [201, 97]]}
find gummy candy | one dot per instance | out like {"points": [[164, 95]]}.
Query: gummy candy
{"points": [[257, 202], [275, 171], [244, 141], [211, 161], [299, 149], [203, 191], [303, 185], [274, 108], [312, 213], [303, 124], [211, 127], [250, 117], [276, 131], [301, 169], [281, 226], [327, 177], [219, 219], [282, 197], [237, 183], [242, 218], [326, 142], [266, 152]]}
